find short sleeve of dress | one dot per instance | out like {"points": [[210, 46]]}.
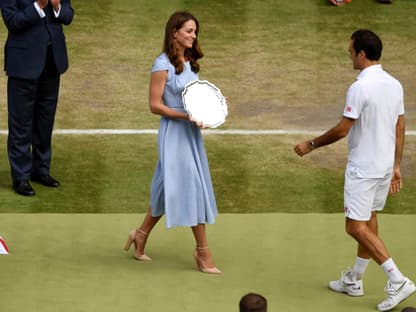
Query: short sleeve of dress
{"points": [[161, 63]]}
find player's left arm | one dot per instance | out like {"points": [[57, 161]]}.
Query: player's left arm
{"points": [[396, 181]]}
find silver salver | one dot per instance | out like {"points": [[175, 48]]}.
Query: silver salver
{"points": [[204, 102]]}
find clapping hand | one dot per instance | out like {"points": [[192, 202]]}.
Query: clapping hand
{"points": [[42, 3], [55, 4]]}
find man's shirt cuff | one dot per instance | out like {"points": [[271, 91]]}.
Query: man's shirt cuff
{"points": [[39, 10], [57, 12]]}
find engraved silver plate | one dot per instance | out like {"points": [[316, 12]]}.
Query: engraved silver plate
{"points": [[204, 102]]}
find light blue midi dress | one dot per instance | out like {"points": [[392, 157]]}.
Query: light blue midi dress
{"points": [[181, 186]]}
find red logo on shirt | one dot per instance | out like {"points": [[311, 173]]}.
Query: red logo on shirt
{"points": [[348, 109]]}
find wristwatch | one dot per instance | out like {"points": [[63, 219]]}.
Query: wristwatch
{"points": [[311, 144]]}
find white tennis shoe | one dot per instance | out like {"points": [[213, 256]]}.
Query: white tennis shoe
{"points": [[396, 293], [347, 285]]}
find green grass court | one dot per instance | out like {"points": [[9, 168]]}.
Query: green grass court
{"points": [[75, 262], [280, 232]]}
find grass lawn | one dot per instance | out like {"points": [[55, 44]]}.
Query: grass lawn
{"points": [[281, 64], [112, 174], [75, 263]]}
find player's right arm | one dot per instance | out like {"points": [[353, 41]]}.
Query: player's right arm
{"points": [[334, 134]]}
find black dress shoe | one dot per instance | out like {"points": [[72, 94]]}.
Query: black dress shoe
{"points": [[45, 179], [23, 187]]}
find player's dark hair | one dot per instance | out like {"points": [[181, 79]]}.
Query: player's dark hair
{"points": [[253, 303], [367, 41]]}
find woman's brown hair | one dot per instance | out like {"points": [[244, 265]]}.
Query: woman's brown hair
{"points": [[174, 23]]}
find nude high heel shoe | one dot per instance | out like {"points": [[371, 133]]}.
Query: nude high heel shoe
{"points": [[137, 237], [201, 265]]}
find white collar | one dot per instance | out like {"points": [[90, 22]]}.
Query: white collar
{"points": [[369, 69]]}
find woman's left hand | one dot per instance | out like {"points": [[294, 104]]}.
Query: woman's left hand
{"points": [[200, 124]]}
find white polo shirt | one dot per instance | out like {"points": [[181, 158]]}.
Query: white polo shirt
{"points": [[375, 100]]}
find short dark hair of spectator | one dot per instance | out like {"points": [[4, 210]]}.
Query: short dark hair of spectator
{"points": [[367, 41], [253, 303]]}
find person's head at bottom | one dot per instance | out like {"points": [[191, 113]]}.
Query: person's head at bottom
{"points": [[253, 303]]}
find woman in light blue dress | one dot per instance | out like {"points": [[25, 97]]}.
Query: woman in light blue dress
{"points": [[181, 186]]}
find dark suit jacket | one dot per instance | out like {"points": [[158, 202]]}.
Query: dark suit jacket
{"points": [[29, 36]]}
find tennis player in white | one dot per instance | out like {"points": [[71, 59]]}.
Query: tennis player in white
{"points": [[373, 119]]}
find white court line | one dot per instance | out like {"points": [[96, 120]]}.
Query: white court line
{"points": [[154, 131], [206, 132]]}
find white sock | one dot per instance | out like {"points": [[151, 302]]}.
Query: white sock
{"points": [[392, 271], [359, 268]]}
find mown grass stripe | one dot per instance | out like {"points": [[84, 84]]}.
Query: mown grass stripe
{"points": [[154, 131]]}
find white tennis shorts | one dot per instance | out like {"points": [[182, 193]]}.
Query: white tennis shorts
{"points": [[362, 196]]}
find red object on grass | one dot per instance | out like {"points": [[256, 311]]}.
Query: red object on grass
{"points": [[3, 247]]}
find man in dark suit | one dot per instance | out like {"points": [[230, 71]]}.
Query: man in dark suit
{"points": [[35, 57]]}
